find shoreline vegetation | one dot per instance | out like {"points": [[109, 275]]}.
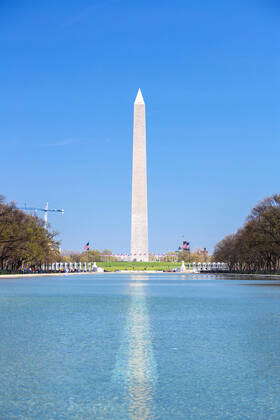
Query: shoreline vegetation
{"points": [[25, 241], [254, 248]]}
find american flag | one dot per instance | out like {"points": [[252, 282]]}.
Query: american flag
{"points": [[186, 246], [86, 247]]}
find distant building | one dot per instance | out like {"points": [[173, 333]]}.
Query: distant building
{"points": [[201, 251], [122, 257]]}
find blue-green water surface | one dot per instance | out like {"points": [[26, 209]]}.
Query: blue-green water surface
{"points": [[139, 347]]}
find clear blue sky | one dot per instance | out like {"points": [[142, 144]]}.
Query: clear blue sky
{"points": [[209, 73]]}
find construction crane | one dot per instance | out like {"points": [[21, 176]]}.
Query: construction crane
{"points": [[46, 210]]}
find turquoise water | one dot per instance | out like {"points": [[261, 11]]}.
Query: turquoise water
{"points": [[139, 347]]}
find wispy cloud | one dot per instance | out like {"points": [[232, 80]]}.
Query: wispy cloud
{"points": [[84, 13], [61, 143]]}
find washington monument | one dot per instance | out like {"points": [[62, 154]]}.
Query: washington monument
{"points": [[139, 210]]}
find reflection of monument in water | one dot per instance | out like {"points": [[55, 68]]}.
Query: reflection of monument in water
{"points": [[139, 208], [136, 367]]}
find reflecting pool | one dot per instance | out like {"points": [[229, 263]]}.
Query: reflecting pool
{"points": [[139, 347]]}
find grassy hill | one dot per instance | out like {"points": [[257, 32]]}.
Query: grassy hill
{"points": [[141, 266]]}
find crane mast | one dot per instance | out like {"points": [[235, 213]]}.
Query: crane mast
{"points": [[46, 210]]}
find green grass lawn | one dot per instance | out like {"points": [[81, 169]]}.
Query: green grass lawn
{"points": [[120, 265]]}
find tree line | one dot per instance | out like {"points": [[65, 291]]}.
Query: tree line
{"points": [[255, 247], [186, 256], [93, 255], [107, 256], [24, 240]]}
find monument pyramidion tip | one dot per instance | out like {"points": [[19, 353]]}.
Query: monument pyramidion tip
{"points": [[139, 98]]}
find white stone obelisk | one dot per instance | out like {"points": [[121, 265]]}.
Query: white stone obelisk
{"points": [[139, 210]]}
